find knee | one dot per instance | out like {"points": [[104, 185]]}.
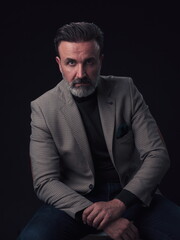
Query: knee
{"points": [[29, 234]]}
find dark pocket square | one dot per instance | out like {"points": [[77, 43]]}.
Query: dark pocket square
{"points": [[122, 130]]}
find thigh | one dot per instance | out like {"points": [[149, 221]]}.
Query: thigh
{"points": [[161, 220], [50, 223]]}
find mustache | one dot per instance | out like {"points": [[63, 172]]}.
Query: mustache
{"points": [[84, 80]]}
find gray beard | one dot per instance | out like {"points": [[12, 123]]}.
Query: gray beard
{"points": [[82, 91]]}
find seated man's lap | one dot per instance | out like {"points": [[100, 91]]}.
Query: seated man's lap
{"points": [[160, 219], [50, 223]]}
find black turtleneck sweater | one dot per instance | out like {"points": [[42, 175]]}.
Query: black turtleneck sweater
{"points": [[104, 168]]}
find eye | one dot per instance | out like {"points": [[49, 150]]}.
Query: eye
{"points": [[90, 61], [71, 62]]}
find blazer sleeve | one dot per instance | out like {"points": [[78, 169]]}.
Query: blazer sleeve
{"points": [[148, 141], [45, 161]]}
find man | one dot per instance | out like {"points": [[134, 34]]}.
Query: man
{"points": [[96, 152]]}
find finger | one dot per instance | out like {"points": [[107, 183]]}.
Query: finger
{"points": [[86, 213], [97, 220], [129, 235], [105, 220], [134, 229], [126, 236], [91, 218]]}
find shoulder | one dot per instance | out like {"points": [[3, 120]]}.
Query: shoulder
{"points": [[110, 78], [116, 83], [116, 80]]}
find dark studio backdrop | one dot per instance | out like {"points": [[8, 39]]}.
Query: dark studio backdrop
{"points": [[140, 41]]}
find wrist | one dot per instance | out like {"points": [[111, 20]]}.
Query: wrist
{"points": [[120, 204], [128, 198], [78, 216]]}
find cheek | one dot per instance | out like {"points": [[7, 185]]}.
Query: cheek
{"points": [[68, 75], [94, 72]]}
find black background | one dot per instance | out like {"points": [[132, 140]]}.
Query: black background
{"points": [[140, 41]]}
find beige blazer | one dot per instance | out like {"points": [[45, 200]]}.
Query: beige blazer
{"points": [[62, 166]]}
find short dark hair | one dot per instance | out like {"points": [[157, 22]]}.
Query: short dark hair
{"points": [[79, 32]]}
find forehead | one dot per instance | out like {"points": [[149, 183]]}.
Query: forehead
{"points": [[78, 49]]}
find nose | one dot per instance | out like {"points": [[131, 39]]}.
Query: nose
{"points": [[81, 71]]}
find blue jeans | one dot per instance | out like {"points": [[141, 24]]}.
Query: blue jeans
{"points": [[159, 221]]}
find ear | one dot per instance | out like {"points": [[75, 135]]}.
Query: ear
{"points": [[58, 60]]}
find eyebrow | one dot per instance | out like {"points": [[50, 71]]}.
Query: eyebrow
{"points": [[90, 58], [69, 59], [72, 59]]}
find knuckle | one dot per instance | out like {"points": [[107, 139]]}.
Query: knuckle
{"points": [[89, 219], [108, 213], [103, 212], [108, 216], [117, 235], [84, 214], [94, 224], [127, 222]]}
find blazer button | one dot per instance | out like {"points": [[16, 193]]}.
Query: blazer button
{"points": [[91, 186]]}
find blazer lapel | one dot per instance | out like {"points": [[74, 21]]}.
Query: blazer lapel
{"points": [[73, 118], [107, 114]]}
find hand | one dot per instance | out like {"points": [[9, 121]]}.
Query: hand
{"points": [[99, 214], [122, 229]]}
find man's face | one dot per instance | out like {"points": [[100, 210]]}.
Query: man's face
{"points": [[80, 65]]}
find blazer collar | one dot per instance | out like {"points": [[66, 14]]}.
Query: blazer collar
{"points": [[73, 118], [106, 105]]}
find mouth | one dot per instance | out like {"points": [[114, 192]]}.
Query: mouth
{"points": [[81, 84]]}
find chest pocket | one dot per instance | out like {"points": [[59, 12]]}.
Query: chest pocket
{"points": [[126, 138]]}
